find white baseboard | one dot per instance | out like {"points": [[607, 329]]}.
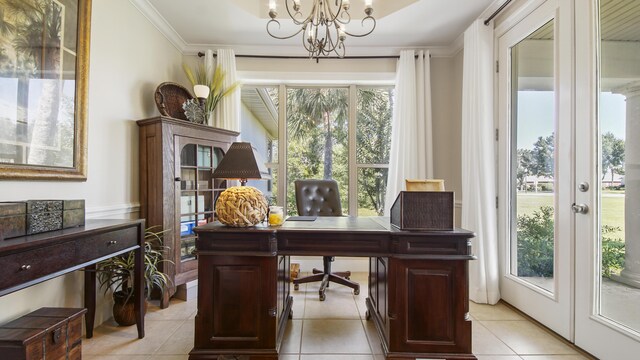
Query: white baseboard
{"points": [[353, 264]]}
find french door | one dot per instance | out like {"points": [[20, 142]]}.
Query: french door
{"points": [[607, 306], [536, 166], [569, 116]]}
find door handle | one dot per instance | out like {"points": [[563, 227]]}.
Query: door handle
{"points": [[580, 208]]}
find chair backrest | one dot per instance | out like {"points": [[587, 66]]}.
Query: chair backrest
{"points": [[318, 198]]}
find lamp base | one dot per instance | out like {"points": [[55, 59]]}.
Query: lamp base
{"points": [[241, 206]]}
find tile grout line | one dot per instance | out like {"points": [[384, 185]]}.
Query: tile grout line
{"points": [[497, 337]]}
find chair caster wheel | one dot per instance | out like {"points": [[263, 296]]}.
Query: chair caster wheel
{"points": [[322, 297], [296, 287], [356, 292]]}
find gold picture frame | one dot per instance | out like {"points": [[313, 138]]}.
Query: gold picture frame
{"points": [[43, 133]]}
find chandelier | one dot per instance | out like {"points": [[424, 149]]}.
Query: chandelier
{"points": [[324, 28]]}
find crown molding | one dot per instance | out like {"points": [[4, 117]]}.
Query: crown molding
{"points": [[160, 23], [281, 50]]}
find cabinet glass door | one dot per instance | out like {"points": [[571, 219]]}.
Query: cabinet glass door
{"points": [[198, 192]]}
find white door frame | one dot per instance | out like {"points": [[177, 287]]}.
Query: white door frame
{"points": [[554, 310]]}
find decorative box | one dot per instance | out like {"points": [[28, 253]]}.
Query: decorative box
{"points": [[30, 217], [43, 215], [47, 333], [423, 210], [13, 220], [72, 213]]}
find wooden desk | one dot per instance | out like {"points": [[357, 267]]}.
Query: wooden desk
{"points": [[418, 286], [29, 260]]}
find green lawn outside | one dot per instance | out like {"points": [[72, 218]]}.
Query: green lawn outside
{"points": [[612, 208]]}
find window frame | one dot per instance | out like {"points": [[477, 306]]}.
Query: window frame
{"points": [[280, 164]]}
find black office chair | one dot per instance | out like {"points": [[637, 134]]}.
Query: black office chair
{"points": [[321, 198]]}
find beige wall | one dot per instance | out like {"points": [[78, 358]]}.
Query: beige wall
{"points": [[446, 90], [129, 58]]}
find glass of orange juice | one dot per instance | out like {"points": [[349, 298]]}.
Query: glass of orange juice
{"points": [[276, 215]]}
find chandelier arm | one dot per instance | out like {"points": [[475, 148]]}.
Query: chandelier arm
{"points": [[294, 15], [281, 37], [371, 18], [329, 10], [340, 50]]}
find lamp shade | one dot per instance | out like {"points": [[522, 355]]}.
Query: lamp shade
{"points": [[202, 91], [242, 162]]}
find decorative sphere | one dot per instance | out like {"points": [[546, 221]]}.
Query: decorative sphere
{"points": [[241, 206]]}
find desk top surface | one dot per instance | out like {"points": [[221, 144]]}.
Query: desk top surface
{"points": [[330, 224]]}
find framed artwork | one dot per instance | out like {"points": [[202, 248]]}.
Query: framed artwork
{"points": [[44, 69]]}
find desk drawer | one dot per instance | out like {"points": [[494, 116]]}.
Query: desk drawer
{"points": [[29, 265], [107, 243]]}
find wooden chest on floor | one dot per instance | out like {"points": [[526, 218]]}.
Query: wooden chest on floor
{"points": [[47, 333]]}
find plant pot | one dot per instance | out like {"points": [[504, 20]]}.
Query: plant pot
{"points": [[123, 308]]}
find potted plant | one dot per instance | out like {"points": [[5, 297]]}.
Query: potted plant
{"points": [[117, 273]]}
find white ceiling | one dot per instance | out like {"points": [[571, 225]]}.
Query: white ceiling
{"points": [[194, 25]]}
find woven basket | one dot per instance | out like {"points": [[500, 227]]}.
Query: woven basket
{"points": [[241, 206]]}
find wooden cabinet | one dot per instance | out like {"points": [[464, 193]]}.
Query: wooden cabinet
{"points": [[247, 296], [177, 190], [419, 296]]}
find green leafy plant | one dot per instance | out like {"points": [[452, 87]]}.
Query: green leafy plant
{"points": [[117, 273], [535, 245], [217, 91], [612, 251]]}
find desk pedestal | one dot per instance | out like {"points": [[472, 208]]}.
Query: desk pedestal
{"points": [[418, 290]]}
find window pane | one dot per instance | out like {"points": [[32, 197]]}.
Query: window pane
{"points": [[372, 187], [374, 125], [618, 285], [259, 124], [317, 141], [533, 158]]}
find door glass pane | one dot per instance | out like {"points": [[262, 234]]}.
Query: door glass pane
{"points": [[197, 193], [619, 163], [317, 141], [533, 158]]}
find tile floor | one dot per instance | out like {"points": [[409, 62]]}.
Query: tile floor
{"points": [[334, 329]]}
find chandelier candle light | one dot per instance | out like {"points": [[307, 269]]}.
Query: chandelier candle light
{"points": [[324, 28]]}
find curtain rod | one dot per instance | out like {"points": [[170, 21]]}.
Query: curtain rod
{"points": [[495, 13], [201, 54]]}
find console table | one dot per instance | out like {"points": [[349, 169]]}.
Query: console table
{"points": [[30, 260], [417, 297]]}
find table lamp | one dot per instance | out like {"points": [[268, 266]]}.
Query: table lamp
{"points": [[241, 206]]}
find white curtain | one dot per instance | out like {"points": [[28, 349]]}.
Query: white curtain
{"points": [[227, 113], [478, 163], [411, 154]]}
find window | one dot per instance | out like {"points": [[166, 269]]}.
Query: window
{"points": [[326, 138]]}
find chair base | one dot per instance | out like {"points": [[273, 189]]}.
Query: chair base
{"points": [[341, 278]]}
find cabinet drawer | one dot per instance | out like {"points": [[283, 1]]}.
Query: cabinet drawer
{"points": [[29, 265], [103, 244]]}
